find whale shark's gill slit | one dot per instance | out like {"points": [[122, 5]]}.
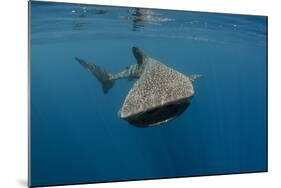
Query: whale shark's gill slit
{"points": [[158, 115]]}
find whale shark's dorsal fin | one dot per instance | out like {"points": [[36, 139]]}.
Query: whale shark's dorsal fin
{"points": [[139, 55]]}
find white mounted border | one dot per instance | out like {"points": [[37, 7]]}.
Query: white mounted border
{"points": [[13, 93]]}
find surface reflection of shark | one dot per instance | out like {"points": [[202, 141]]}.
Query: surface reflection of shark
{"points": [[84, 11], [159, 95], [140, 17]]}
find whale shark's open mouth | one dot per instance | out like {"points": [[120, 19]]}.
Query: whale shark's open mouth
{"points": [[158, 115]]}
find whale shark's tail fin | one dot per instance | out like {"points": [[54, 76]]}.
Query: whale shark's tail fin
{"points": [[102, 76], [194, 77]]}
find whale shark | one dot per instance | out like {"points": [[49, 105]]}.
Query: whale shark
{"points": [[159, 95]]}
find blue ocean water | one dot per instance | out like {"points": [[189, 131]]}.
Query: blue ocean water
{"points": [[76, 135]]}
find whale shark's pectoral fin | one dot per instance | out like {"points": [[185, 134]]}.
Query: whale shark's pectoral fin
{"points": [[102, 76], [194, 77], [139, 55]]}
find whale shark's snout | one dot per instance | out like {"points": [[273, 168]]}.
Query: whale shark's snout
{"points": [[158, 115]]}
